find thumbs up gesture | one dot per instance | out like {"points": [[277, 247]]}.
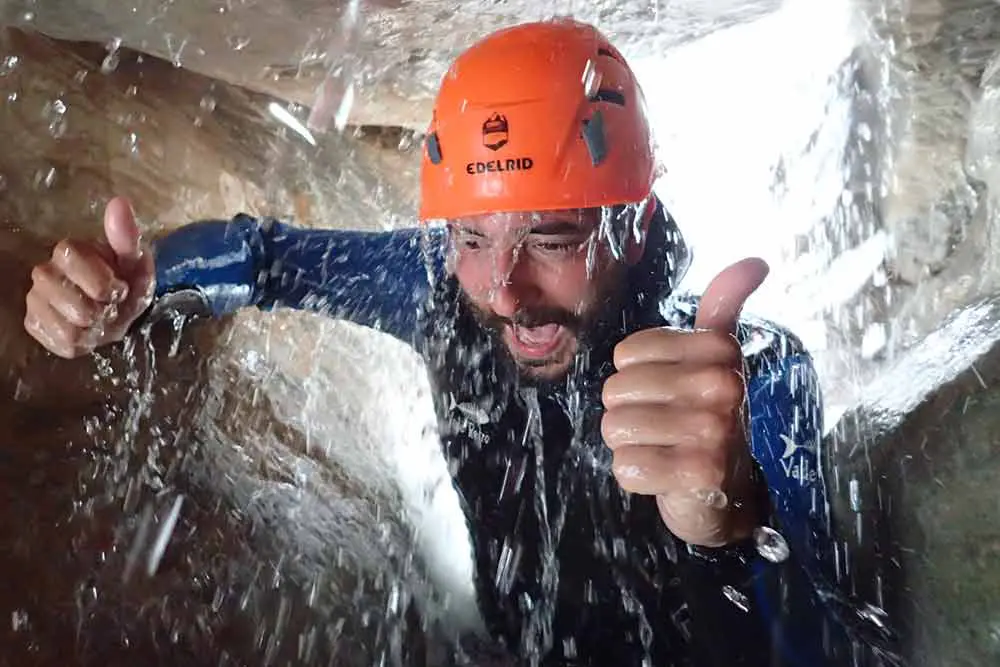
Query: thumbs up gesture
{"points": [[89, 293], [674, 417]]}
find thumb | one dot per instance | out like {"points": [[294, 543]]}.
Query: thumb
{"points": [[724, 297], [123, 233]]}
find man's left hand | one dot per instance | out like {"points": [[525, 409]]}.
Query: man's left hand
{"points": [[674, 417]]}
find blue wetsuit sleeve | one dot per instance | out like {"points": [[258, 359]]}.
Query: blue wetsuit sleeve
{"points": [[804, 597], [786, 425], [379, 280]]}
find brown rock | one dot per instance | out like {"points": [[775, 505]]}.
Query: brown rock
{"points": [[272, 537]]}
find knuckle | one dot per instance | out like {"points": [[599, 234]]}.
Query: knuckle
{"points": [[712, 427], [706, 470], [31, 323], [75, 335], [611, 427], [62, 250], [727, 385], [623, 351], [611, 391], [606, 424], [63, 351], [727, 344], [33, 309], [39, 273]]}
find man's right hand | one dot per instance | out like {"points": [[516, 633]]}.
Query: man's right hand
{"points": [[90, 293]]}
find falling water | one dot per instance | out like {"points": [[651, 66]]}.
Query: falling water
{"points": [[239, 479]]}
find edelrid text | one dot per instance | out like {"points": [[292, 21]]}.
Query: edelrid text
{"points": [[511, 164]]}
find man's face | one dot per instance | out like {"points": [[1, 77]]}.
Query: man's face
{"points": [[539, 280]]}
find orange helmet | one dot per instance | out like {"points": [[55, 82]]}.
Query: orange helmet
{"points": [[540, 116]]}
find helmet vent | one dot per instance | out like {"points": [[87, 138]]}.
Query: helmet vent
{"points": [[606, 95], [593, 136], [610, 54], [434, 148]]}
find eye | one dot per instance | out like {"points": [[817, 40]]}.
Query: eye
{"points": [[466, 241], [556, 246]]}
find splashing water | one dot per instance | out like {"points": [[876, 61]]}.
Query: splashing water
{"points": [[335, 96], [723, 207], [113, 57], [770, 544]]}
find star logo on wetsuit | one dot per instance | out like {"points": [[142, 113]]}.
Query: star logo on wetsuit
{"points": [[495, 132], [791, 447]]}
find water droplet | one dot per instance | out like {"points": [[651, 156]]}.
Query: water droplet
{"points": [[854, 488], [175, 49], [55, 113], [238, 42], [714, 498], [207, 104], [80, 76], [12, 97], [18, 620], [344, 109], [9, 64], [770, 544], [111, 60], [591, 79], [166, 530], [507, 565], [28, 17], [132, 91], [45, 178], [737, 598], [405, 141], [874, 615], [130, 142]]}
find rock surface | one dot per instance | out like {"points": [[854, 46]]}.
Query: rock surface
{"points": [[86, 121], [913, 478], [393, 52], [291, 525]]}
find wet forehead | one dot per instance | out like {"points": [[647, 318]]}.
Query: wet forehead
{"points": [[567, 221]]}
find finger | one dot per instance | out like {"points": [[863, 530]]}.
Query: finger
{"points": [[49, 328], [142, 286], [667, 470], [723, 299], [122, 232], [84, 267], [680, 386], [666, 345], [65, 297], [658, 425]]}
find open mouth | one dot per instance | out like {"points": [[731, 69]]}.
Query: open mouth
{"points": [[535, 342]]}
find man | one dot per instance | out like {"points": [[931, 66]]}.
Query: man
{"points": [[624, 507]]}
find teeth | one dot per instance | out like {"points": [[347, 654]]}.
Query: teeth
{"points": [[537, 335]]}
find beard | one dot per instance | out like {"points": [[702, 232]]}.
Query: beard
{"points": [[597, 328]]}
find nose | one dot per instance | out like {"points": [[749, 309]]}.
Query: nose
{"points": [[512, 288]]}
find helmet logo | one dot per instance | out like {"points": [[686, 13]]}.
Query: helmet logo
{"points": [[495, 132]]}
